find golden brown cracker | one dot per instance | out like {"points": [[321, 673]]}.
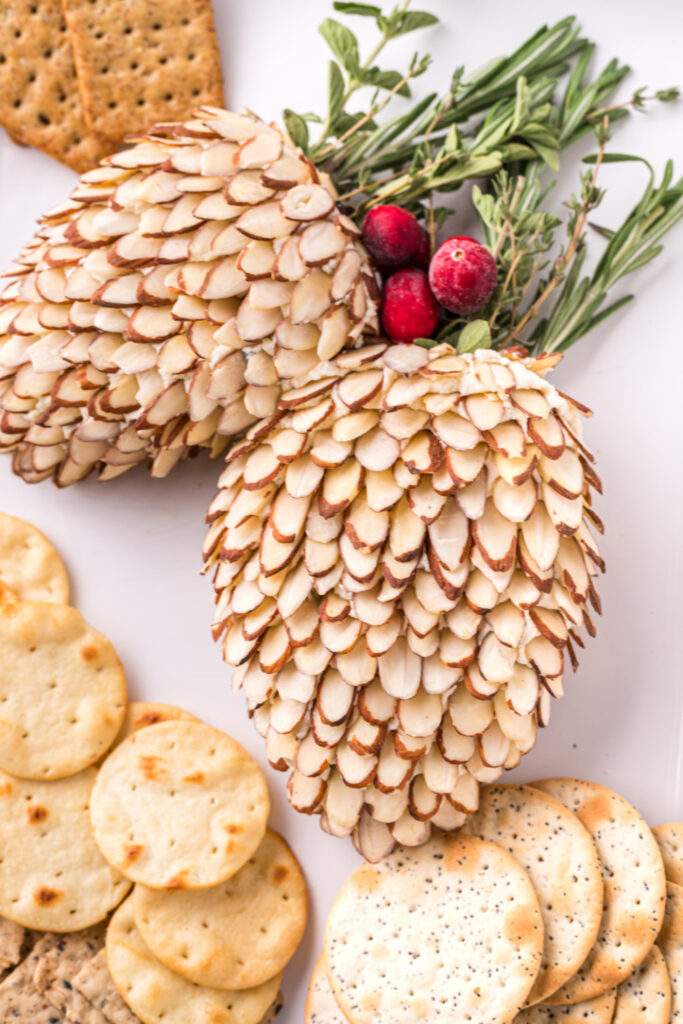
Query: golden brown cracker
{"points": [[139, 61], [39, 100]]}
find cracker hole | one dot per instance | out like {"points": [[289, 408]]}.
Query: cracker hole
{"points": [[112, 104], [168, 96], [127, 30], [47, 53], [134, 65]]}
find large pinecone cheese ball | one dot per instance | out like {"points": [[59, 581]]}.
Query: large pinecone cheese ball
{"points": [[403, 555], [162, 307]]}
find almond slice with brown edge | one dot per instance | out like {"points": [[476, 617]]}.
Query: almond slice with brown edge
{"points": [[307, 202]]}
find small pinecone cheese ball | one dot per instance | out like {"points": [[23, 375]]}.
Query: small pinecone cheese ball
{"points": [[164, 304], [402, 555]]}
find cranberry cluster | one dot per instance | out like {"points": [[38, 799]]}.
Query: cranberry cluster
{"points": [[460, 276]]}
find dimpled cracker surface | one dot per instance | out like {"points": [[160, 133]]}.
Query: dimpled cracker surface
{"points": [[595, 1011], [203, 935], [560, 857], [670, 942], [179, 805], [142, 713], [451, 930], [321, 1006], [670, 839], [62, 691], [645, 997], [39, 100], [154, 993], [29, 564], [52, 875], [140, 61], [634, 879]]}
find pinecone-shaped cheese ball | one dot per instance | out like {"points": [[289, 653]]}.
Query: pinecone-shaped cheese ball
{"points": [[403, 555], [164, 304]]}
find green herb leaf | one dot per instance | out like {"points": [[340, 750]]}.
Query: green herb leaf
{"points": [[343, 44], [364, 10], [476, 334], [410, 21], [335, 93], [384, 80], [297, 128]]}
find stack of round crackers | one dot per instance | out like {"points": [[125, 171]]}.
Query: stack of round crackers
{"points": [[97, 796], [552, 903]]}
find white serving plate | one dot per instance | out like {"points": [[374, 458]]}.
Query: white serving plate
{"points": [[133, 546]]}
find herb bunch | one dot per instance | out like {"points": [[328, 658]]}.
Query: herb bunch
{"points": [[507, 124]]}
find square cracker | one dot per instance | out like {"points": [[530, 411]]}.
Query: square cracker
{"points": [[39, 100], [140, 61]]}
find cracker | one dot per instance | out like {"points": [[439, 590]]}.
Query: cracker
{"points": [[670, 942], [634, 886], [29, 564], [62, 691], [451, 930], [179, 805], [21, 1001], [645, 997], [140, 62], [141, 713], [203, 935], [155, 993], [39, 100], [58, 958], [12, 938], [52, 875], [670, 839], [595, 1011], [94, 984], [560, 857], [321, 1006]]}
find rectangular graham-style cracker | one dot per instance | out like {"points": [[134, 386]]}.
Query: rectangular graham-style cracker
{"points": [[142, 61], [39, 100]]}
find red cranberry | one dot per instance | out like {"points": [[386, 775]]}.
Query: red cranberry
{"points": [[394, 238], [409, 310], [462, 275]]}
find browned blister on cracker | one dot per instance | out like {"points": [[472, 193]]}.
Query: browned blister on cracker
{"points": [[39, 99], [139, 61]]}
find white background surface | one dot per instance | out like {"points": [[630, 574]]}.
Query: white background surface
{"points": [[133, 546]]}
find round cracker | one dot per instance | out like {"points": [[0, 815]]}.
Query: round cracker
{"points": [[451, 930], [142, 713], [645, 997], [634, 879], [670, 942], [203, 935], [321, 1006], [595, 1011], [52, 875], [179, 805], [62, 691], [154, 993], [29, 564], [560, 858], [670, 839]]}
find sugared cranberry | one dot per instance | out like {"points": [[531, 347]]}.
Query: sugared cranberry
{"points": [[394, 238], [462, 275], [409, 310]]}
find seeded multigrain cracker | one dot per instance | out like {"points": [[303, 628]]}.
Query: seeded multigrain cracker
{"points": [[86, 994], [448, 931], [62, 691], [179, 805], [154, 993], [595, 1011], [12, 939], [560, 857], [670, 942], [21, 1001], [321, 1006], [203, 935], [670, 839], [39, 100], [29, 564], [634, 879], [645, 997], [52, 875], [140, 61]]}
